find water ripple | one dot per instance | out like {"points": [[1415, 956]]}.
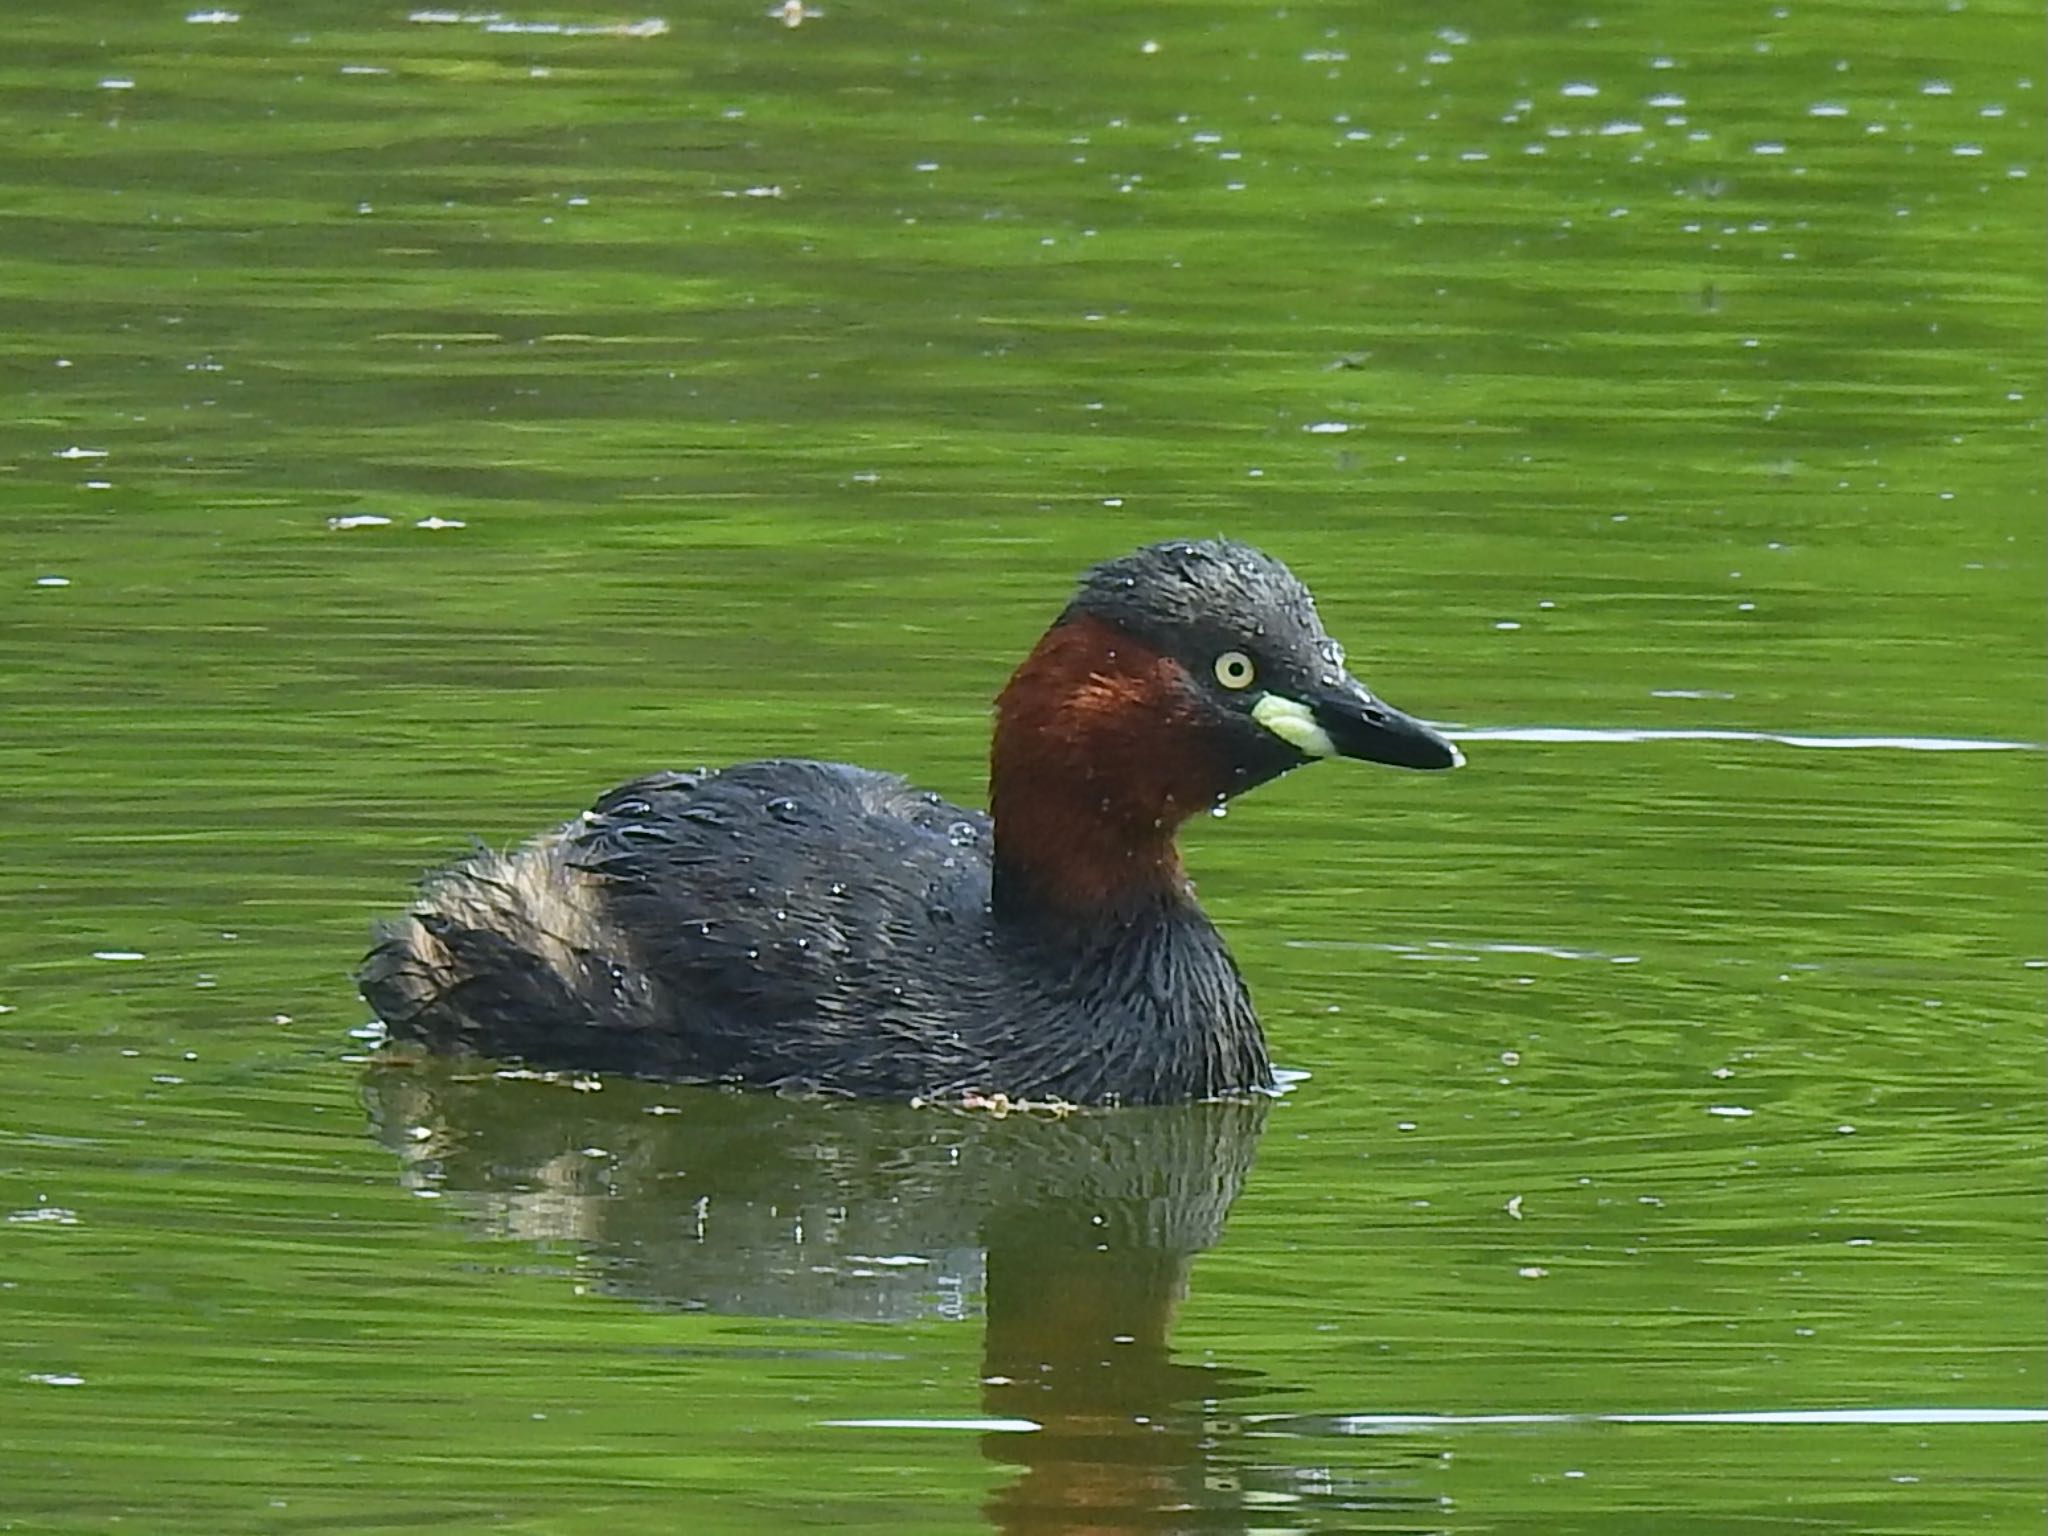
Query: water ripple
{"points": [[1394, 1423], [1572, 734], [1383, 1423]]}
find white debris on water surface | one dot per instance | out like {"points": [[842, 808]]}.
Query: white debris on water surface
{"points": [[498, 21]]}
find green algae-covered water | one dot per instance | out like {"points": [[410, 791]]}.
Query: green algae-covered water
{"points": [[421, 420]]}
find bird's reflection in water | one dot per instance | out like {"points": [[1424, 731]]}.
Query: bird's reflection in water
{"points": [[1071, 1237]]}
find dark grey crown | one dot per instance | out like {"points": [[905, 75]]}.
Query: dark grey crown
{"points": [[1201, 595]]}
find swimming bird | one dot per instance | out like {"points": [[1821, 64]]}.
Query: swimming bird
{"points": [[818, 927]]}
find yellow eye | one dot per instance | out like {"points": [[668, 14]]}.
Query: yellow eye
{"points": [[1234, 670]]}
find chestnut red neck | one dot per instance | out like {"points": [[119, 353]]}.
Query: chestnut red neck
{"points": [[1099, 756]]}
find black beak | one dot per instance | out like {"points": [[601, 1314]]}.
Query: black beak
{"points": [[1360, 726]]}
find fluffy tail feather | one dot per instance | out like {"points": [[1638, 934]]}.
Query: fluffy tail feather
{"points": [[500, 954]]}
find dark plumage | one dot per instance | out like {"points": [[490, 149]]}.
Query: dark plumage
{"points": [[817, 926]]}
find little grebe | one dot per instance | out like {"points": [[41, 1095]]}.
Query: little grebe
{"points": [[814, 926]]}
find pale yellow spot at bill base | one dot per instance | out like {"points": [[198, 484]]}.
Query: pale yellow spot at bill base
{"points": [[1292, 721]]}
